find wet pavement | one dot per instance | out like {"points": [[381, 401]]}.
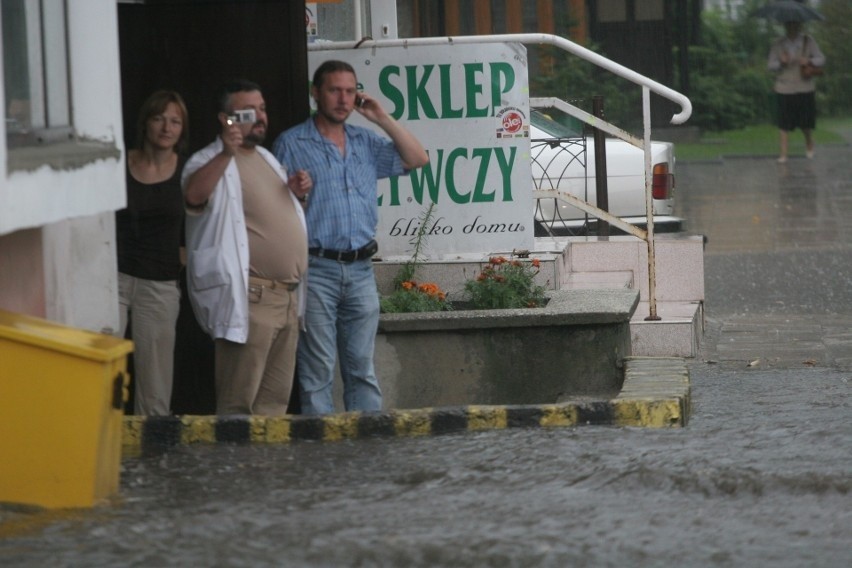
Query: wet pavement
{"points": [[778, 260], [762, 475]]}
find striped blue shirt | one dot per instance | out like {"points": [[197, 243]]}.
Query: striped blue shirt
{"points": [[343, 210]]}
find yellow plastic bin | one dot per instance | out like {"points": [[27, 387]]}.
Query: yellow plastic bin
{"points": [[62, 394]]}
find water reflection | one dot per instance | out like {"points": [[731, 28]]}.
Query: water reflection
{"points": [[759, 205]]}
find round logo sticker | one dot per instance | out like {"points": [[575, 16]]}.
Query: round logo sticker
{"points": [[512, 122]]}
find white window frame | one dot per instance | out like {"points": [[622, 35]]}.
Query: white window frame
{"points": [[48, 78]]}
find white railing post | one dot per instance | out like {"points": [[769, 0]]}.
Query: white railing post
{"points": [[649, 206]]}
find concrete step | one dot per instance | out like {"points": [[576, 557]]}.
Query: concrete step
{"points": [[594, 262], [678, 333], [592, 280], [679, 262]]}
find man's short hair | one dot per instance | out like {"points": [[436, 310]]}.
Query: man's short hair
{"points": [[234, 86], [330, 66]]}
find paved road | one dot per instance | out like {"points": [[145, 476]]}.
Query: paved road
{"points": [[778, 262]]}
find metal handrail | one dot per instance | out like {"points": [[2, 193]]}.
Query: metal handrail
{"points": [[648, 86]]}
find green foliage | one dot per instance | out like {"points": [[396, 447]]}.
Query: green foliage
{"points": [[408, 295], [756, 140], [418, 241], [730, 86], [577, 81], [413, 297], [717, 105], [835, 39], [505, 284]]}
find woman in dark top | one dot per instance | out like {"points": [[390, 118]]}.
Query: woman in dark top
{"points": [[149, 234]]}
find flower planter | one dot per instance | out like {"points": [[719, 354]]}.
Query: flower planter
{"points": [[572, 347]]}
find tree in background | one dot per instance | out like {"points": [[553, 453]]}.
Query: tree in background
{"points": [[835, 39], [730, 86]]}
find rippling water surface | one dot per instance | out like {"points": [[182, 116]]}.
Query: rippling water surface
{"points": [[761, 475]]}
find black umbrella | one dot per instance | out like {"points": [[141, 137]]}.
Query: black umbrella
{"points": [[788, 11]]}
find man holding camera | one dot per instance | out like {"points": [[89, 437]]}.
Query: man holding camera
{"points": [[246, 244], [343, 304]]}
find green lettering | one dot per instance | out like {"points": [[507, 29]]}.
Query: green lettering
{"points": [[472, 89], [506, 169], [391, 91], [447, 110], [499, 70], [394, 192], [479, 195], [427, 178], [417, 95], [450, 175]]}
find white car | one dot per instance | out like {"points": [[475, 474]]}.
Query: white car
{"points": [[563, 159]]}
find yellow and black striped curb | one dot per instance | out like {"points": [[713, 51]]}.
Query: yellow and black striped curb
{"points": [[655, 395]]}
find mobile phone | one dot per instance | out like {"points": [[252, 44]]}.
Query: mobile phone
{"points": [[244, 116], [359, 101]]}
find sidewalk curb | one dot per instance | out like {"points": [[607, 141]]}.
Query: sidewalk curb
{"points": [[655, 394]]}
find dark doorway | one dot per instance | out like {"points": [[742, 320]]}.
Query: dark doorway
{"points": [[194, 46]]}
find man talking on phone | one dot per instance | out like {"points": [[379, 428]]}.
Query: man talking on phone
{"points": [[247, 251], [345, 162]]}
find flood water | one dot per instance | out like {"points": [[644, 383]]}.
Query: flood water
{"points": [[761, 475]]}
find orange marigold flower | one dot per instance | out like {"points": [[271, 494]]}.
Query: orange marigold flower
{"points": [[516, 263], [536, 263], [408, 285], [497, 260], [429, 288], [482, 276]]}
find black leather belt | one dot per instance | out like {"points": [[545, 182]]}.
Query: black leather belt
{"points": [[366, 251], [273, 284]]}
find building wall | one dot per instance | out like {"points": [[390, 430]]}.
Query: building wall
{"points": [[57, 242], [421, 18], [21, 254]]}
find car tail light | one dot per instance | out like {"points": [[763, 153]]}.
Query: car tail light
{"points": [[662, 182]]}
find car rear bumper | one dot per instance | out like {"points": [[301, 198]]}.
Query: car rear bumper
{"points": [[571, 227]]}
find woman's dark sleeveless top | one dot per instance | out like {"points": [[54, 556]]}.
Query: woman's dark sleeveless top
{"points": [[149, 231]]}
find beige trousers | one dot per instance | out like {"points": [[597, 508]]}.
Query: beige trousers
{"points": [[153, 307], [256, 377]]}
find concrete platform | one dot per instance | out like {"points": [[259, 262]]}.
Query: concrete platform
{"points": [[617, 262], [678, 333]]}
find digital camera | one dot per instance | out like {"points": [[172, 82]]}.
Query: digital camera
{"points": [[246, 116]]}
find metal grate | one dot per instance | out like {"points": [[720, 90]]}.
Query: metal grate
{"points": [[548, 221]]}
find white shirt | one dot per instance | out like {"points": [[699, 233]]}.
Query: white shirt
{"points": [[218, 250], [788, 78]]}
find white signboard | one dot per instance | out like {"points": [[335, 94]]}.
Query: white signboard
{"points": [[469, 107]]}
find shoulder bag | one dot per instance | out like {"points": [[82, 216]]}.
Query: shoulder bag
{"points": [[808, 69]]}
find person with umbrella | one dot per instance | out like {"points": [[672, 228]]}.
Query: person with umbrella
{"points": [[789, 58]]}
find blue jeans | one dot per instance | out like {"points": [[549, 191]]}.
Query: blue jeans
{"points": [[341, 317]]}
